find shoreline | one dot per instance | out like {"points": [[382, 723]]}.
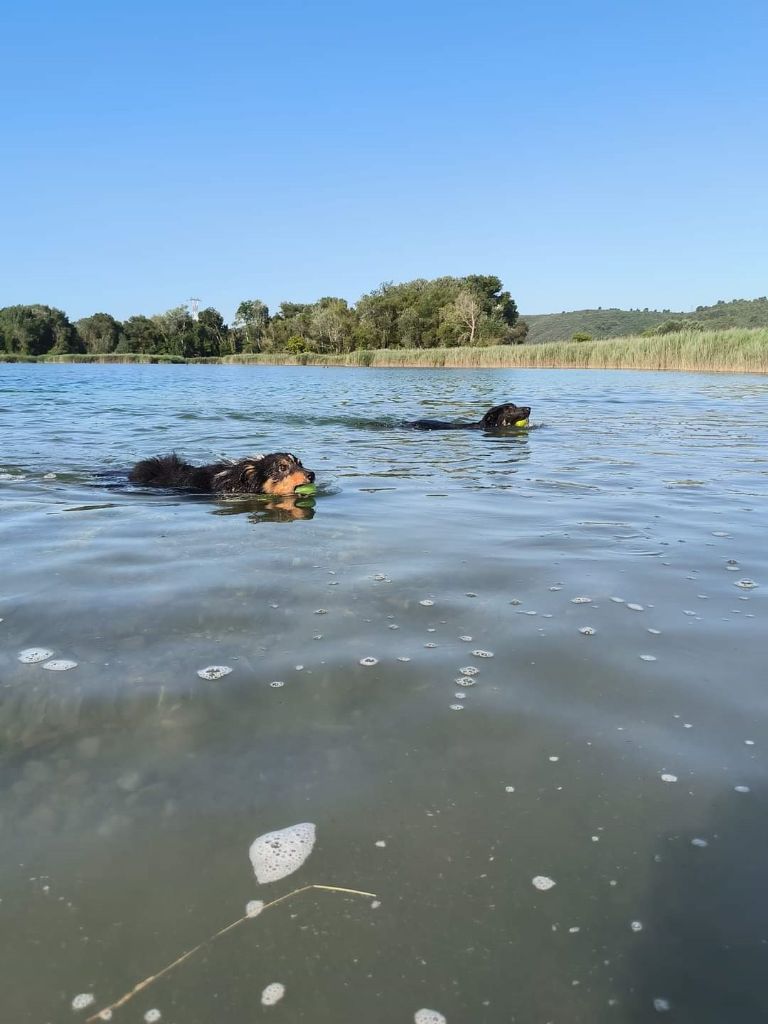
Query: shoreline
{"points": [[734, 350]]}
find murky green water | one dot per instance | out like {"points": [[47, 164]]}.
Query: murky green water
{"points": [[132, 788]]}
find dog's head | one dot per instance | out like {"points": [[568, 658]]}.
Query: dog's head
{"points": [[278, 473], [502, 417]]}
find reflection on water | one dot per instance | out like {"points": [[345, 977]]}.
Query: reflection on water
{"points": [[613, 563]]}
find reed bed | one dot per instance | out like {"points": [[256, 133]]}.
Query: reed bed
{"points": [[732, 350]]}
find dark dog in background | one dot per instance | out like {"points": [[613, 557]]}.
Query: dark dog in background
{"points": [[279, 473], [500, 417]]}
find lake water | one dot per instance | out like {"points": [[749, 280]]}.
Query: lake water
{"points": [[628, 765]]}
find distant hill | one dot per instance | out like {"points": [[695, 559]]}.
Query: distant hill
{"points": [[616, 323]]}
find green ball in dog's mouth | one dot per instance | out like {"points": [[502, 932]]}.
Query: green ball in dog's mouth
{"points": [[305, 489]]}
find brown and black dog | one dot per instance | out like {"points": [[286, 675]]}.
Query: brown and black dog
{"points": [[500, 417], [279, 473]]}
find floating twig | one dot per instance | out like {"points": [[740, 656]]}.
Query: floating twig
{"points": [[106, 1012]]}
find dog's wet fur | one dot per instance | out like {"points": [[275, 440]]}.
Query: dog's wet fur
{"points": [[500, 417], [278, 473]]}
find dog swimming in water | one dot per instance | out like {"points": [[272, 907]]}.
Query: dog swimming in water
{"points": [[278, 473], [500, 417]]}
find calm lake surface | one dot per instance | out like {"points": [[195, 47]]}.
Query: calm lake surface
{"points": [[629, 765]]}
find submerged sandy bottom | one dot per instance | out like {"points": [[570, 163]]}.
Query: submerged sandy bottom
{"points": [[516, 683]]}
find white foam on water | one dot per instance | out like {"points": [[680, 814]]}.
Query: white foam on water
{"points": [[375, 904], [542, 883], [276, 855], [656, 632], [742, 789], [661, 1005], [253, 908], [214, 671], [668, 778], [426, 603], [31, 655], [581, 600], [276, 684], [554, 757], [272, 994], [746, 584], [456, 707], [460, 696], [588, 630], [426, 1016], [60, 665], [636, 926], [749, 743], [618, 600], [466, 639], [469, 670], [465, 681], [482, 654], [403, 659], [636, 607], [648, 657], [699, 842], [509, 789], [84, 999], [369, 662], [380, 842], [152, 1015], [430, 645]]}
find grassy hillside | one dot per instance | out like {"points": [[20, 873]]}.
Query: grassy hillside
{"points": [[617, 323]]}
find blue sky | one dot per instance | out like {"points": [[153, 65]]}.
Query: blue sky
{"points": [[588, 153]]}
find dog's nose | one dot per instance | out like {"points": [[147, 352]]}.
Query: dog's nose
{"points": [[311, 476]]}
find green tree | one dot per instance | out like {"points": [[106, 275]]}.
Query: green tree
{"points": [[141, 335], [252, 320], [99, 333], [35, 330], [581, 336]]}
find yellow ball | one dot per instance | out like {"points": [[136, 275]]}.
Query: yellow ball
{"points": [[521, 423]]}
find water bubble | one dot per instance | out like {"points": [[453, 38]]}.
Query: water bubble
{"points": [[320, 611], [656, 632], [460, 696], [276, 684], [617, 600], [648, 657], [749, 743], [151, 1016], [469, 670], [699, 842], [581, 600], [465, 681], [515, 600], [253, 908], [661, 1005], [272, 994], [380, 842], [456, 707], [553, 757], [482, 654], [542, 883], [375, 904], [60, 665], [668, 778], [426, 602], [84, 999], [276, 855], [509, 789], [368, 662], [746, 584], [426, 1016], [392, 626], [588, 630], [554, 589], [430, 645], [636, 607], [31, 655], [636, 926], [741, 789], [466, 639], [403, 658], [214, 671]]}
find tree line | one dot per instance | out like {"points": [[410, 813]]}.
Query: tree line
{"points": [[444, 312]]}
